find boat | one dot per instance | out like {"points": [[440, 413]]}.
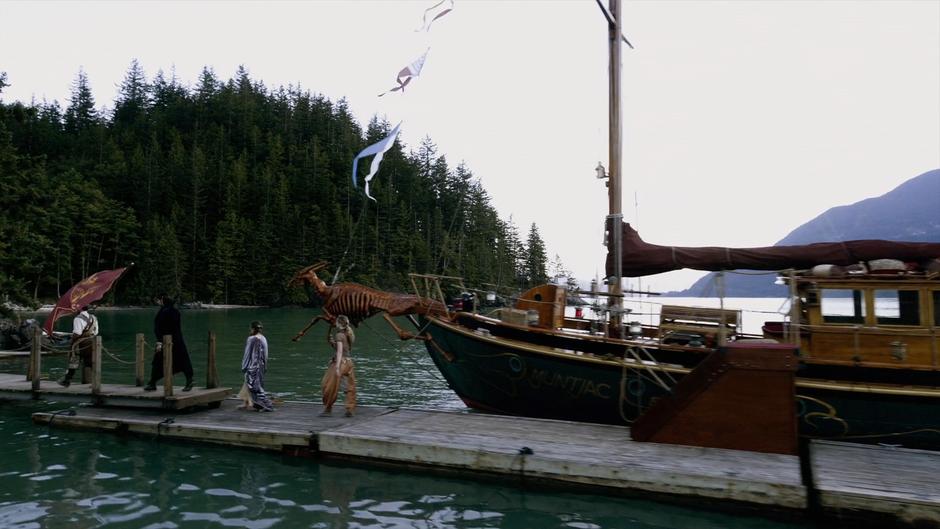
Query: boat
{"points": [[16, 337], [863, 320]]}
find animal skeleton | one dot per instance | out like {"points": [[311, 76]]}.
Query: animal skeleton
{"points": [[359, 302]]}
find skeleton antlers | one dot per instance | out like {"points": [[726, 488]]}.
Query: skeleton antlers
{"points": [[359, 302]]}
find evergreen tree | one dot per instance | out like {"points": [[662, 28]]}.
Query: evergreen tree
{"points": [[80, 114], [535, 259], [134, 96]]}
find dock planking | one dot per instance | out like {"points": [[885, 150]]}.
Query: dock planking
{"points": [[14, 354], [569, 452], [16, 387], [562, 452], [854, 480]]}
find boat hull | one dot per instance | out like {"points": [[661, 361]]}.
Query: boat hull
{"points": [[517, 377]]}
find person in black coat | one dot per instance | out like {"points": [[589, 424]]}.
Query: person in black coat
{"points": [[166, 322]]}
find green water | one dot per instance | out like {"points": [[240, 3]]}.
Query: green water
{"points": [[54, 478]]}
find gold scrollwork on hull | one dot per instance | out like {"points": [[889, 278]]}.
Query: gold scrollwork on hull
{"points": [[828, 413]]}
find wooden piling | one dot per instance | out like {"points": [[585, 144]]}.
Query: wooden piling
{"points": [[96, 365], [167, 365], [139, 362], [35, 356], [212, 370]]}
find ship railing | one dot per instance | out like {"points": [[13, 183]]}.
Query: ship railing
{"points": [[646, 361], [429, 285]]}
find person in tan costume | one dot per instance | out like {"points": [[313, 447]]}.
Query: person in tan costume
{"points": [[341, 367]]}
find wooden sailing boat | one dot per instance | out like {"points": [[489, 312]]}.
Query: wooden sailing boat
{"points": [[871, 373]]}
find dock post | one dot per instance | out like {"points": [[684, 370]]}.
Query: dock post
{"points": [[35, 355], [167, 365], [96, 365], [212, 370], [139, 363]]}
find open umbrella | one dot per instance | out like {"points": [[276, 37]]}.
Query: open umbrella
{"points": [[85, 292]]}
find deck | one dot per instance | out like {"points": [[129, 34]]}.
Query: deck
{"points": [[851, 482], [16, 387]]}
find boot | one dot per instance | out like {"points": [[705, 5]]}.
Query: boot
{"points": [[189, 384], [86, 375], [151, 386], [66, 381]]}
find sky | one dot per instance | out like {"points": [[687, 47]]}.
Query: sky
{"points": [[742, 119]]}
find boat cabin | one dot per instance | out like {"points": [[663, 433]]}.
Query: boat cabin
{"points": [[872, 320]]}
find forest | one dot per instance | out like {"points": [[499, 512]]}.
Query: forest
{"points": [[219, 191]]}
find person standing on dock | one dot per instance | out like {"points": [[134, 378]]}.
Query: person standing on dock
{"points": [[254, 366], [167, 322], [84, 330], [341, 367]]}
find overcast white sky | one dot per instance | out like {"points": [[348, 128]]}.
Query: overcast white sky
{"points": [[742, 119]]}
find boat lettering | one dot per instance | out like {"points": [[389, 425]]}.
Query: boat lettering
{"points": [[576, 387]]}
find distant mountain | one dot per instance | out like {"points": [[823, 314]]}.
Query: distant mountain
{"points": [[910, 212]]}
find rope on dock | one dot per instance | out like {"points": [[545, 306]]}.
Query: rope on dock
{"points": [[70, 412]]}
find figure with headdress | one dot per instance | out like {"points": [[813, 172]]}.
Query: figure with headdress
{"points": [[340, 368]]}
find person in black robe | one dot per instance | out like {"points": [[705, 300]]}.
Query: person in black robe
{"points": [[166, 322]]}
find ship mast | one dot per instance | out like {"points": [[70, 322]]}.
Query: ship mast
{"points": [[615, 215]]}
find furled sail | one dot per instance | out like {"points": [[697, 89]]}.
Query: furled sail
{"points": [[641, 258]]}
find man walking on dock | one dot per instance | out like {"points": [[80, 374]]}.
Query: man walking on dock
{"points": [[341, 367], [84, 330], [254, 366], [167, 322]]}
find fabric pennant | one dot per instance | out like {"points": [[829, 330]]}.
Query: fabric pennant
{"points": [[379, 149], [408, 73], [440, 9]]}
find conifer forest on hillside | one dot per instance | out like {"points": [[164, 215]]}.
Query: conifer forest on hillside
{"points": [[220, 191]]}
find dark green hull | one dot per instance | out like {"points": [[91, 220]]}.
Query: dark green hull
{"points": [[517, 377]]}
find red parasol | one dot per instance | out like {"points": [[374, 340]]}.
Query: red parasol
{"points": [[85, 292]]}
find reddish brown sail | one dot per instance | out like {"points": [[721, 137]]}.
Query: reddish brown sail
{"points": [[641, 258]]}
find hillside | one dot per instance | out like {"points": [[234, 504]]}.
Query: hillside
{"points": [[909, 212]]}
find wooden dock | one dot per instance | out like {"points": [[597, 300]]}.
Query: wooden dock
{"points": [[891, 483], [849, 482], [10, 355], [97, 393], [16, 387]]}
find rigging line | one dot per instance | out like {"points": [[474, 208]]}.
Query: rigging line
{"points": [[453, 220], [352, 233]]}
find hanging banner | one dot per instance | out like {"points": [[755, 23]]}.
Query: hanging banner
{"points": [[438, 10], [378, 149], [408, 73]]}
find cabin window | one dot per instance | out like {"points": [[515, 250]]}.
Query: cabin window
{"points": [[936, 307], [842, 305], [897, 307]]}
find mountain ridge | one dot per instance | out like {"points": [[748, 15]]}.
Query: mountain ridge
{"points": [[908, 212]]}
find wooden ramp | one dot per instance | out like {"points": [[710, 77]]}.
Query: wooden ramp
{"points": [[572, 454], [861, 481], [16, 387]]}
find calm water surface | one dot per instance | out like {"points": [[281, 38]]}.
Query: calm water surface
{"points": [[54, 478]]}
